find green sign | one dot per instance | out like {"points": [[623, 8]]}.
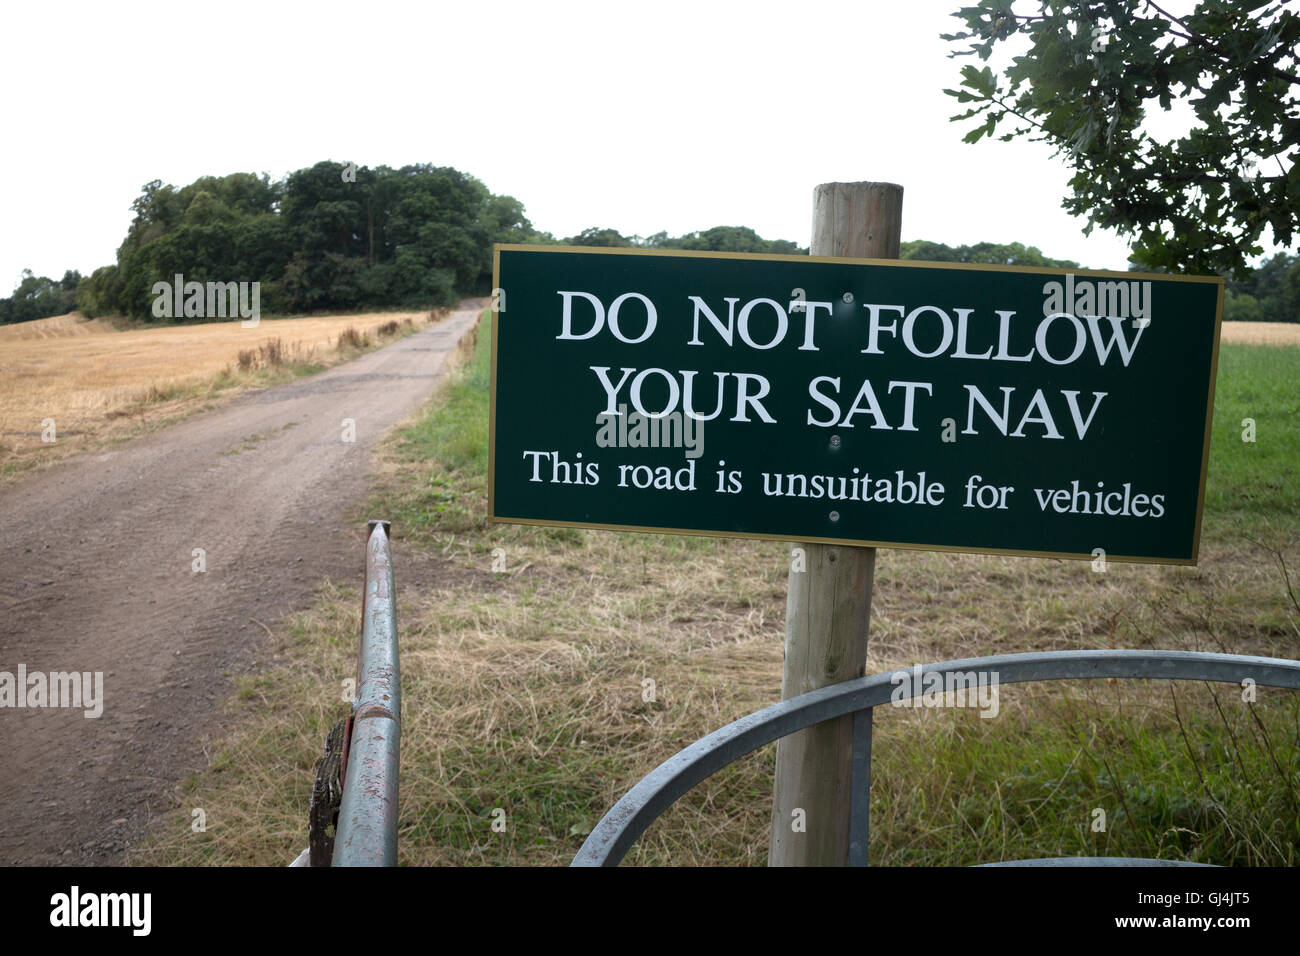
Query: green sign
{"points": [[868, 402]]}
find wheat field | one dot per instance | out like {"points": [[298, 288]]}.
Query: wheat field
{"points": [[1262, 333], [95, 382]]}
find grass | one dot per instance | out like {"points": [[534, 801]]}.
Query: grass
{"points": [[1253, 483], [99, 385], [546, 670]]}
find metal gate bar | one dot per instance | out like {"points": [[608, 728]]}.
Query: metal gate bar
{"points": [[614, 835], [367, 828]]}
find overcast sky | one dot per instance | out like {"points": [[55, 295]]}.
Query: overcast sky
{"points": [[637, 116]]}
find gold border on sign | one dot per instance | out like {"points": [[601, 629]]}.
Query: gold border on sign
{"points": [[498, 248]]}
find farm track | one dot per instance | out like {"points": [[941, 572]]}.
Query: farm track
{"points": [[96, 575]]}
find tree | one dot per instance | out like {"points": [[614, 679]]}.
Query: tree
{"points": [[1274, 288], [1198, 203], [100, 292], [735, 239], [988, 253], [596, 236], [37, 297], [504, 217], [1241, 307], [158, 209]]}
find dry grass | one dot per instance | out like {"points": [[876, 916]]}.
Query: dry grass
{"points": [[98, 384], [1262, 333], [350, 338]]}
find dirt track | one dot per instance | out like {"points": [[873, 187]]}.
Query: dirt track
{"points": [[96, 575]]}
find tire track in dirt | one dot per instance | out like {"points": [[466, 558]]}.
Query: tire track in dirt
{"points": [[95, 575]]}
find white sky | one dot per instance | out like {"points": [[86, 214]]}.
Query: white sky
{"points": [[637, 116]]}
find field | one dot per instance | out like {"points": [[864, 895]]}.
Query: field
{"points": [[524, 688], [97, 383], [1262, 333]]}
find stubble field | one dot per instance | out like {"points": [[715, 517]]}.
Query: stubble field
{"points": [[97, 384]]}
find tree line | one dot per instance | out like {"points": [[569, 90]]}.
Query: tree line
{"points": [[1269, 294], [343, 237], [37, 297], [334, 236]]}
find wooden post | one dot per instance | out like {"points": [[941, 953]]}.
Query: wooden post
{"points": [[828, 605]]}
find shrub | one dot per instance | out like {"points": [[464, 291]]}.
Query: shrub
{"points": [[352, 339], [272, 353]]}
